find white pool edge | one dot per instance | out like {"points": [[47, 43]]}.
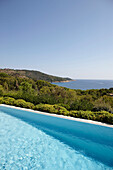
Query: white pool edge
{"points": [[61, 116]]}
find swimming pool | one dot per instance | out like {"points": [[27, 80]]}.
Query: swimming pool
{"points": [[31, 140]]}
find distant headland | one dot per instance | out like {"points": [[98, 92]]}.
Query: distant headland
{"points": [[33, 74]]}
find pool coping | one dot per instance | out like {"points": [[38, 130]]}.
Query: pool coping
{"points": [[61, 116]]}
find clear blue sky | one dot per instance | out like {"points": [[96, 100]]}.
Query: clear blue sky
{"points": [[71, 38]]}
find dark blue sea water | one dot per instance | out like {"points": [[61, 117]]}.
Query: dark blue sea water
{"points": [[87, 84]]}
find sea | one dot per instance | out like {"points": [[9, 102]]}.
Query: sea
{"points": [[84, 84]]}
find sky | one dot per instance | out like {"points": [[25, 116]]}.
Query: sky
{"points": [[68, 38]]}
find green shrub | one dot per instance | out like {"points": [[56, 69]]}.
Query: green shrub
{"points": [[45, 108], [8, 100], [81, 104], [1, 100], [3, 74], [52, 109], [82, 114], [64, 105], [1, 90], [59, 109], [100, 105], [30, 105], [23, 103], [20, 103], [102, 116]]}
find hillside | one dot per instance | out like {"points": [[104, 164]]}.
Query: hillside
{"points": [[36, 75], [44, 96]]}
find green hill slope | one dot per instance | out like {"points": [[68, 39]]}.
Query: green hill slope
{"points": [[36, 75]]}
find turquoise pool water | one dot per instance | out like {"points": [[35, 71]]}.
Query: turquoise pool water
{"points": [[28, 144]]}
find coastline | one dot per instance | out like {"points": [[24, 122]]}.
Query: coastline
{"points": [[64, 81]]}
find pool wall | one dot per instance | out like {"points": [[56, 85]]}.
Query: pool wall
{"points": [[94, 140]]}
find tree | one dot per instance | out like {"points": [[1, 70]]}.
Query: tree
{"points": [[26, 88], [1, 90]]}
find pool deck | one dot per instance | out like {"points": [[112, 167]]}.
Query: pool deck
{"points": [[61, 116]]}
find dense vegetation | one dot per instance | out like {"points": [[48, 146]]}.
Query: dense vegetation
{"points": [[102, 116], [35, 75], [44, 96]]}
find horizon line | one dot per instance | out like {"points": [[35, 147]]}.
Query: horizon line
{"points": [[55, 75]]}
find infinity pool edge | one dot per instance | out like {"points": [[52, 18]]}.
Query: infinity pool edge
{"points": [[61, 116]]}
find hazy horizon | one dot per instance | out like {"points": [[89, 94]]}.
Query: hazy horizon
{"points": [[55, 75], [62, 38]]}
